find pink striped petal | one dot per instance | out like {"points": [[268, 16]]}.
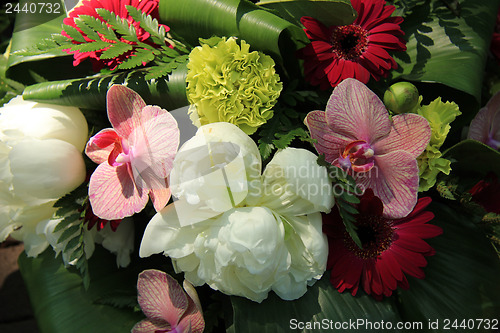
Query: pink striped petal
{"points": [[148, 326], [160, 196], [485, 127], [113, 194], [329, 143], [124, 109], [100, 145], [355, 112], [410, 132], [161, 297], [394, 179]]}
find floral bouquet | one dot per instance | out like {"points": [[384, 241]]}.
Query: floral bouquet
{"points": [[299, 165]]}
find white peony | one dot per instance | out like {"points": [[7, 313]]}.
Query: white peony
{"points": [[271, 239], [40, 161]]}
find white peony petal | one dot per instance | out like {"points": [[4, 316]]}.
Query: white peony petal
{"points": [[46, 169], [294, 184], [215, 167], [45, 121]]}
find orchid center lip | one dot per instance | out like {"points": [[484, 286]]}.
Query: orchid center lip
{"points": [[357, 156]]}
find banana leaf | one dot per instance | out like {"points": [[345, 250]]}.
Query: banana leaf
{"points": [[90, 92], [30, 29], [461, 279], [448, 46], [61, 304], [263, 30], [329, 12]]}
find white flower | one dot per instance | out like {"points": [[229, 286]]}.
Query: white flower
{"points": [[270, 239], [40, 161], [215, 170], [119, 242]]}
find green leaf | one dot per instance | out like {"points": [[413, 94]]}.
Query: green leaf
{"points": [[29, 30], [116, 50], [98, 26], [149, 24], [465, 270], [66, 221], [60, 302], [90, 93], [472, 159], [140, 56], [321, 304], [329, 12], [263, 30], [445, 48], [68, 233], [80, 22], [90, 47], [120, 25], [74, 33]]}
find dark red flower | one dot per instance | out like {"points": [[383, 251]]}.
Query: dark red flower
{"points": [[487, 193], [88, 7], [495, 40], [92, 220], [391, 248], [355, 51]]}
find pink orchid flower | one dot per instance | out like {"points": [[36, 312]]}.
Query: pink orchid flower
{"points": [[356, 134], [485, 127], [166, 305], [135, 156]]}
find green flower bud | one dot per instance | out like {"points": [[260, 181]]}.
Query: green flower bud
{"points": [[402, 97]]}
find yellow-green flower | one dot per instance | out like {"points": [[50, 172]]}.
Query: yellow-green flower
{"points": [[228, 83], [430, 163]]}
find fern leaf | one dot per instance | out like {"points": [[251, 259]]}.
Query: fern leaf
{"points": [[67, 233], [74, 33], [66, 221], [120, 25], [149, 24], [90, 47], [99, 26], [91, 33], [116, 50], [156, 72], [138, 59]]}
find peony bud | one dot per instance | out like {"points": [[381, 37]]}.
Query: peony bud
{"points": [[40, 161], [402, 97]]}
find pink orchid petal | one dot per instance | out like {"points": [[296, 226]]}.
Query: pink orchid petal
{"points": [[155, 143], [410, 132], [100, 145], [486, 124], [193, 317], [113, 194], [394, 179], [480, 126], [330, 143], [355, 112], [148, 326], [124, 109], [160, 197], [161, 297]]}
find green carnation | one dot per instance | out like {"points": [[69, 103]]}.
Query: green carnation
{"points": [[430, 163], [228, 83]]}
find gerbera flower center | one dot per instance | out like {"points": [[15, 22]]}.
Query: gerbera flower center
{"points": [[375, 234], [349, 41], [358, 156]]}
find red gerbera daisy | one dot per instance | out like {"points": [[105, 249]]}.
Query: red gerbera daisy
{"points": [[391, 248], [118, 7], [355, 51]]}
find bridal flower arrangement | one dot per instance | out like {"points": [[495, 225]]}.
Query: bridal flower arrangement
{"points": [[294, 165]]}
